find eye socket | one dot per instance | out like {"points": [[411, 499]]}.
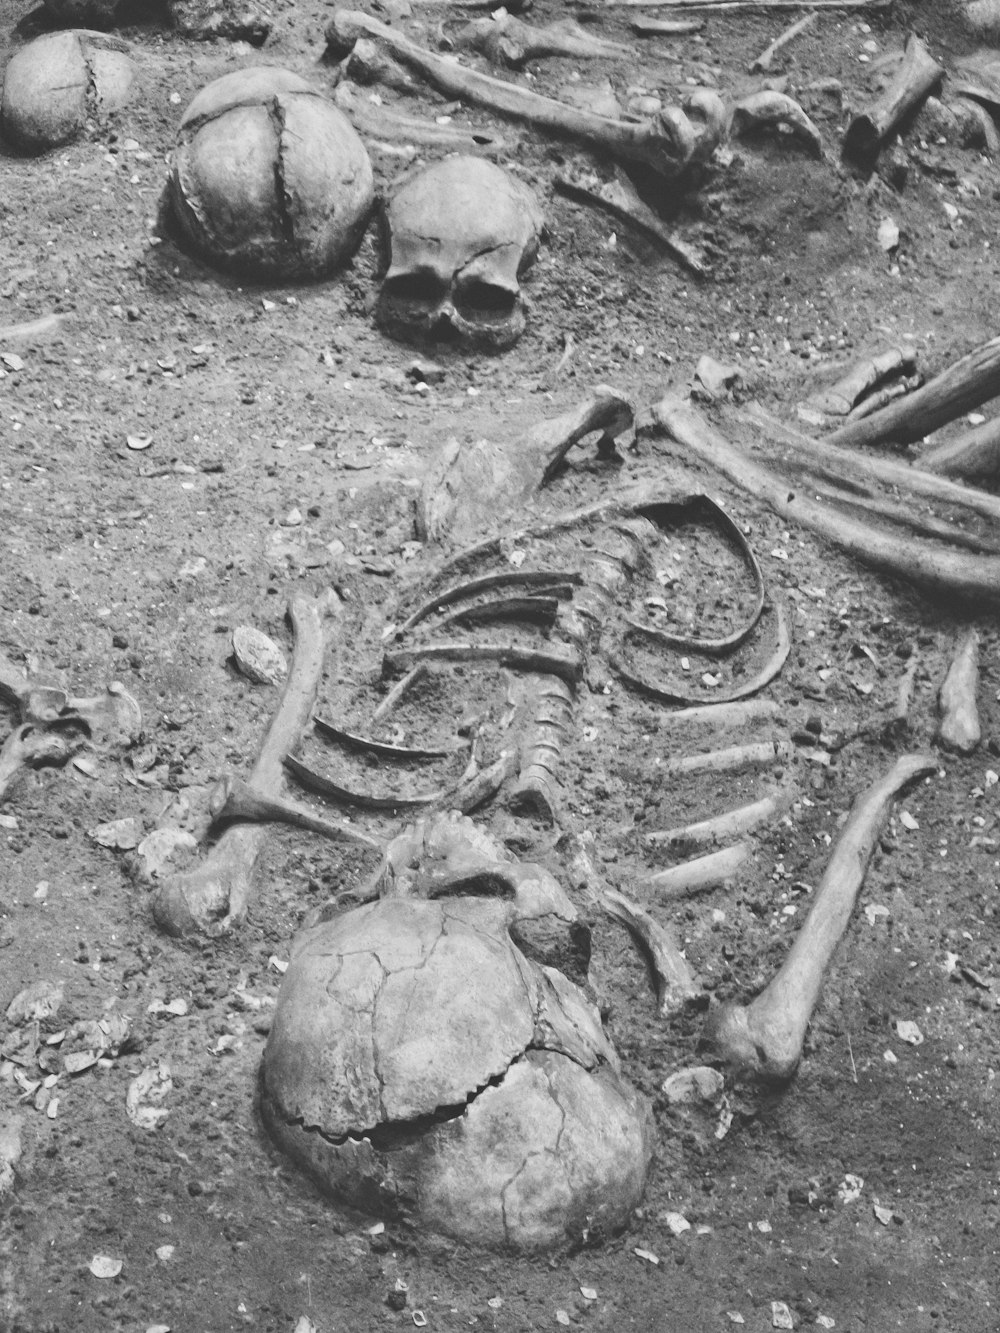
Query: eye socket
{"points": [[420, 290], [479, 302]]}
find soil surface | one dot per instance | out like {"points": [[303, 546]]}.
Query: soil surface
{"points": [[284, 441]]}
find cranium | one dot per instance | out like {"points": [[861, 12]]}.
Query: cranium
{"points": [[268, 177], [58, 83], [430, 1056], [459, 236]]}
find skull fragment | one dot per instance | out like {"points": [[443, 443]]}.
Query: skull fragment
{"points": [[269, 178], [459, 236], [430, 1058], [58, 83]]}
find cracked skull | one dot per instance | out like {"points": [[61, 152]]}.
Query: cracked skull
{"points": [[268, 177], [58, 83], [430, 1057], [459, 236]]}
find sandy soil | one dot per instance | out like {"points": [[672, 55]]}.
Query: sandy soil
{"points": [[136, 565]]}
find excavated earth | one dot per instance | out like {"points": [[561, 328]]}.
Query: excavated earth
{"points": [[285, 440]]}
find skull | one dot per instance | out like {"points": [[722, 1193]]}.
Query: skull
{"points": [[268, 177], [459, 235], [431, 1058], [55, 84]]}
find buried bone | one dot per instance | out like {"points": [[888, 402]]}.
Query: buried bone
{"points": [[428, 1059], [765, 1037], [459, 237], [506, 40], [214, 895], [959, 729], [58, 83], [668, 142], [268, 177]]}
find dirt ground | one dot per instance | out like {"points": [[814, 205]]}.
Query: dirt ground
{"points": [[288, 440]]}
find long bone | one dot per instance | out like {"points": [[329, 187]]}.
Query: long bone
{"points": [[506, 40], [765, 1037], [214, 896], [668, 142]]}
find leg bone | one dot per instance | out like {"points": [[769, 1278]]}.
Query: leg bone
{"points": [[668, 143], [765, 1037]]}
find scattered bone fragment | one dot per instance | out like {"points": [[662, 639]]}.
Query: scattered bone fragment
{"points": [[56, 84], [34, 328], [962, 387], [904, 694], [699, 875], [697, 1084], [668, 143], [621, 200], [917, 76], [959, 729], [646, 27], [675, 981], [213, 896], [765, 1037], [507, 40], [430, 1056], [732, 824], [763, 6], [268, 177], [862, 378], [974, 455], [258, 657], [51, 725], [379, 122], [941, 570], [767, 110], [459, 237], [763, 62], [975, 125]]}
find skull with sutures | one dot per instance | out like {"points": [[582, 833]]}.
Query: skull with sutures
{"points": [[459, 236], [433, 1056]]}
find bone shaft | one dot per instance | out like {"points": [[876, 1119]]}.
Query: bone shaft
{"points": [[758, 754], [965, 385], [858, 469], [699, 875], [297, 697], [863, 377], [974, 454], [954, 573], [631, 140], [732, 824], [917, 75], [721, 717], [791, 995], [763, 61]]}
